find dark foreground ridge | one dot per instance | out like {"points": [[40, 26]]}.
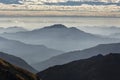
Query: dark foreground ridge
{"points": [[95, 68], [11, 72]]}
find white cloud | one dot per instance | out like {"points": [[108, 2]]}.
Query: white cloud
{"points": [[56, 1]]}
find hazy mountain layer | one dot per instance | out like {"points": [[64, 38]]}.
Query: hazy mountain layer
{"points": [[101, 30], [12, 29], [76, 55], [115, 35], [30, 53], [60, 37]]}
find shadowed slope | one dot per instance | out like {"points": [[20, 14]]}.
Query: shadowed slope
{"points": [[95, 68], [11, 72]]}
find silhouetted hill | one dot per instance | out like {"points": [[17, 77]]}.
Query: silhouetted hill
{"points": [[60, 37], [95, 68], [11, 72], [76, 55], [17, 61], [30, 53]]}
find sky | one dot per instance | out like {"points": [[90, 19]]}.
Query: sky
{"points": [[39, 22]]}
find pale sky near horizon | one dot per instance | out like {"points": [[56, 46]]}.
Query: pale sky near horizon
{"points": [[39, 22]]}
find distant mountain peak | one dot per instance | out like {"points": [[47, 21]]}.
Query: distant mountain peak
{"points": [[57, 26], [60, 29]]}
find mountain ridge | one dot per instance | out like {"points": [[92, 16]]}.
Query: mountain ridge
{"points": [[94, 68]]}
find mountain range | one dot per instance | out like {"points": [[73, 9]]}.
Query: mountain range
{"points": [[77, 55], [95, 68], [12, 72], [30, 53], [59, 37]]}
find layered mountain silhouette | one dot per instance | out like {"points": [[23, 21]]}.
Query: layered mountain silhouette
{"points": [[12, 72], [17, 61], [95, 68], [30, 53], [76, 55], [13, 29], [60, 37]]}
